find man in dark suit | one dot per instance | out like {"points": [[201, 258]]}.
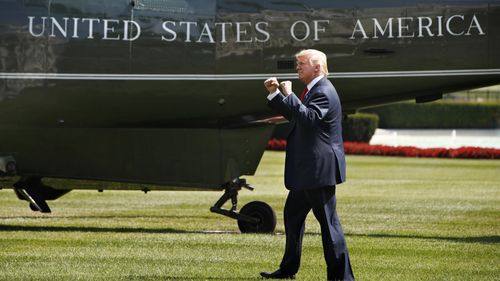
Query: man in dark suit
{"points": [[314, 164]]}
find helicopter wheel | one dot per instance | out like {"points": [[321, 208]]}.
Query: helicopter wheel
{"points": [[33, 207], [261, 211]]}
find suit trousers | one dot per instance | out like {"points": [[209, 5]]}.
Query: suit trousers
{"points": [[323, 203]]}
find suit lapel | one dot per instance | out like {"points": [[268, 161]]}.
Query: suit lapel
{"points": [[311, 92]]}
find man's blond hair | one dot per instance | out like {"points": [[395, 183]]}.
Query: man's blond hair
{"points": [[315, 58]]}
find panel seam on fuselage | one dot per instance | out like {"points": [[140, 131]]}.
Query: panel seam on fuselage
{"points": [[224, 77]]}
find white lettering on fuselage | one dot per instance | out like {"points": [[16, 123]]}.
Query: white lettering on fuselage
{"points": [[255, 32], [85, 28], [410, 27], [246, 32]]}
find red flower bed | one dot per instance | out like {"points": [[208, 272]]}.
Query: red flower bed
{"points": [[358, 148], [276, 144]]}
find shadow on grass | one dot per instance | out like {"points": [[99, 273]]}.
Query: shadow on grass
{"points": [[4, 227], [49, 216], [167, 277], [491, 239], [199, 278]]}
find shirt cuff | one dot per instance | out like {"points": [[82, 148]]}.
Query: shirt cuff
{"points": [[272, 95]]}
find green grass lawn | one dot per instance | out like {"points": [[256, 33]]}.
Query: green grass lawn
{"points": [[404, 219]]}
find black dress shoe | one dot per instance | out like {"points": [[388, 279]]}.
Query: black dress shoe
{"points": [[277, 275]]}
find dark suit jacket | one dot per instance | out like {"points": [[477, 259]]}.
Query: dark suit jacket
{"points": [[315, 151]]}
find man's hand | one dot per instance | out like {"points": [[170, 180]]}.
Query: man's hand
{"points": [[271, 84], [286, 87]]}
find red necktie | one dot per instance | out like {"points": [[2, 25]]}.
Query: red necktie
{"points": [[303, 95]]}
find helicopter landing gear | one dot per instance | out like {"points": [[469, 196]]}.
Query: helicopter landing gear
{"points": [[36, 193], [254, 217]]}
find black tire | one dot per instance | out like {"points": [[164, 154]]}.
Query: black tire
{"points": [[33, 208], [261, 211]]}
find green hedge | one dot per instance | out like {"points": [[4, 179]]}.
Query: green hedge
{"points": [[438, 115], [359, 127]]}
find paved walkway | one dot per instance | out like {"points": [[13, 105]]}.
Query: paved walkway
{"points": [[438, 138]]}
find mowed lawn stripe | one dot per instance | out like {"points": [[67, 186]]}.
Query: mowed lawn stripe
{"points": [[404, 219]]}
